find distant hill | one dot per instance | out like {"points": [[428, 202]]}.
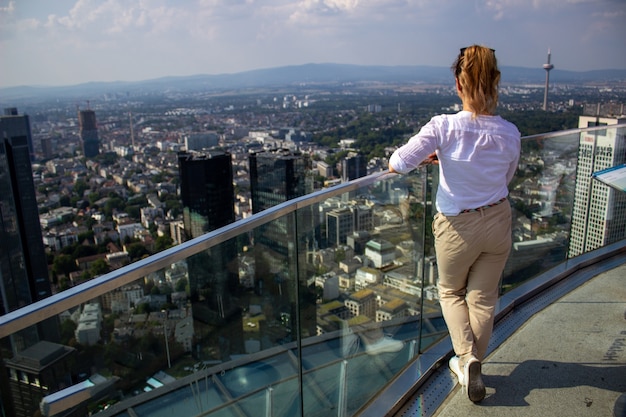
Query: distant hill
{"points": [[308, 74]]}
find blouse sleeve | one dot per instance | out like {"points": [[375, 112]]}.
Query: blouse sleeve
{"points": [[416, 150]]}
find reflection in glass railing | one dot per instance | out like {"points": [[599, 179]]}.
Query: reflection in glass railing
{"points": [[559, 211], [309, 308], [541, 195]]}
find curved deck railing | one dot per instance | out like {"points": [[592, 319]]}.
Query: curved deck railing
{"points": [[288, 305]]}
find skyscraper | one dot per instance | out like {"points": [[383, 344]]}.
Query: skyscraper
{"points": [[277, 176], [599, 214], [280, 246], [89, 133], [23, 266], [23, 263], [207, 193], [20, 126], [353, 166]]}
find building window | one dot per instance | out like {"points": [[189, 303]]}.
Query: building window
{"points": [[23, 377]]}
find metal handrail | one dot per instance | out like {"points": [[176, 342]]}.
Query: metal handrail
{"points": [[33, 313]]}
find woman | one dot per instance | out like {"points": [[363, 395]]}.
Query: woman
{"points": [[477, 153]]}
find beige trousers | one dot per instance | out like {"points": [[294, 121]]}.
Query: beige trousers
{"points": [[472, 249]]}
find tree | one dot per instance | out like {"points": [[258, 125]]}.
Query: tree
{"points": [[174, 205], [133, 211], [142, 308], [63, 265], [162, 243], [181, 285], [80, 186], [114, 203], [93, 197], [137, 251], [67, 331], [64, 283], [84, 250], [88, 235], [99, 267]]}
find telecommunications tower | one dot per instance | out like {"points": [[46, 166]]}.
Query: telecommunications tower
{"points": [[547, 67]]}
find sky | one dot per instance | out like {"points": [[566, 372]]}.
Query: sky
{"points": [[67, 42]]}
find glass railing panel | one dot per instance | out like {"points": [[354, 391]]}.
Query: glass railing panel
{"points": [[174, 324], [223, 330], [599, 211], [541, 198], [361, 258], [559, 211], [289, 305]]}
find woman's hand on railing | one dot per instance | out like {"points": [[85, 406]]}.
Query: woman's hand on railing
{"points": [[431, 160]]}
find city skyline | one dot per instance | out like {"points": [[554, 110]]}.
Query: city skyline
{"points": [[74, 41]]}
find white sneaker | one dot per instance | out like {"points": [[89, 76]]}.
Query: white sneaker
{"points": [[384, 345], [472, 376], [456, 369]]}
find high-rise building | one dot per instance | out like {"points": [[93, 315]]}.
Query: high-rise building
{"points": [[40, 370], [19, 126], [277, 176], [89, 133], [23, 266], [599, 213], [47, 149], [207, 193], [339, 225], [353, 166], [281, 246]]}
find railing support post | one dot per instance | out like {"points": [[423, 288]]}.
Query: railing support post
{"points": [[412, 345], [342, 405], [269, 402]]}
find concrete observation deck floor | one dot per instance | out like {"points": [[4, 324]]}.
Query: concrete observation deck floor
{"points": [[569, 359]]}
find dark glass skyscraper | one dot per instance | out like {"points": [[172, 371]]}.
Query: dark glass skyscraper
{"points": [[353, 166], [277, 176], [207, 193], [89, 133], [23, 266], [20, 126], [281, 246], [22, 256]]}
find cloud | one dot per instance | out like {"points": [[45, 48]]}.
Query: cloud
{"points": [[8, 9], [135, 39]]}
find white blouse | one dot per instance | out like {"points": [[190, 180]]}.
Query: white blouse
{"points": [[477, 158]]}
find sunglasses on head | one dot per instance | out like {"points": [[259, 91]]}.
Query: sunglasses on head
{"points": [[463, 50]]}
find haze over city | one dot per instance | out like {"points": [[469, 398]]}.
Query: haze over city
{"points": [[68, 42]]}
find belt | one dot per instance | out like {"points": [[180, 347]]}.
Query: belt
{"points": [[502, 200]]}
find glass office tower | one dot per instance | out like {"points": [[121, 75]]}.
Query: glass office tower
{"points": [[207, 193]]}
